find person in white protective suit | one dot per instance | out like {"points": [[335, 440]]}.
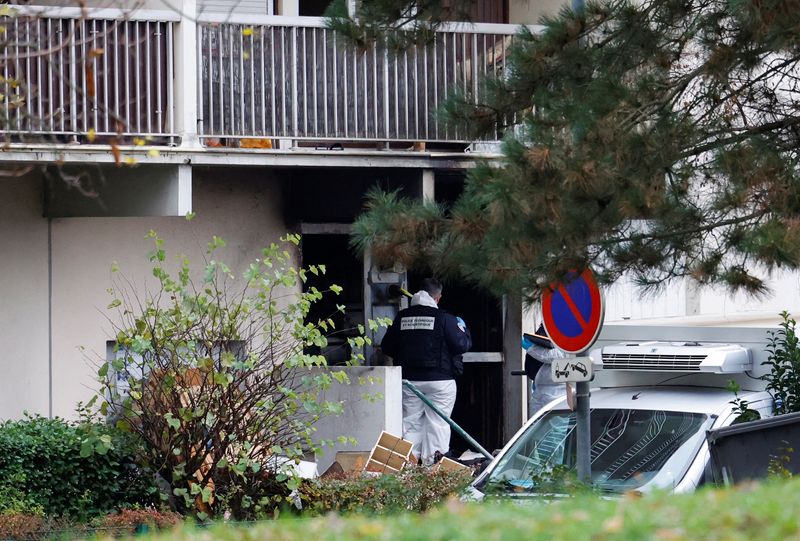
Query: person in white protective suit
{"points": [[428, 343], [543, 389]]}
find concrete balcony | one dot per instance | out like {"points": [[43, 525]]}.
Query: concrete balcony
{"points": [[72, 75], [177, 81]]}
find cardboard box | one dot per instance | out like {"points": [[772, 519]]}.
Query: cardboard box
{"points": [[390, 454], [352, 460], [447, 464]]}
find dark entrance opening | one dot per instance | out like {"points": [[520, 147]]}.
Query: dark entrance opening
{"points": [[345, 269], [333, 199], [479, 404], [313, 8]]}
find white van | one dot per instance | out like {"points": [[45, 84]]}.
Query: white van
{"points": [[643, 437]]}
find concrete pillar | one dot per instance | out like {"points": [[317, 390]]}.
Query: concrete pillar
{"points": [[692, 307], [362, 419], [184, 189], [513, 386], [186, 113], [369, 350], [428, 185], [24, 299], [289, 8]]}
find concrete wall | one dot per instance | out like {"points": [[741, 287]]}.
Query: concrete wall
{"points": [[24, 343], [532, 11], [144, 190], [684, 301], [626, 302], [784, 295], [177, 6], [244, 209], [520, 11], [363, 419], [114, 4]]}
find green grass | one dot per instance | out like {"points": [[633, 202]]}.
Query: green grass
{"points": [[764, 512]]}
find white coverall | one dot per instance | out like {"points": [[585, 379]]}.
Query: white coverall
{"points": [[421, 425], [543, 389]]}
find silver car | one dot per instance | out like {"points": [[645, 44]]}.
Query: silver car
{"points": [[643, 438]]}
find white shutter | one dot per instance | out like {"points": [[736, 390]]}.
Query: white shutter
{"points": [[236, 7]]}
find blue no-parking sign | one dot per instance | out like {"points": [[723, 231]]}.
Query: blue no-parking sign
{"points": [[573, 312]]}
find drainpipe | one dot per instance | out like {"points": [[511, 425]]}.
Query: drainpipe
{"points": [[50, 317]]}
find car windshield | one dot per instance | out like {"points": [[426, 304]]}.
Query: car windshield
{"points": [[630, 449]]}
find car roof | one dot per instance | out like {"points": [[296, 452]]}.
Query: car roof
{"points": [[707, 400]]}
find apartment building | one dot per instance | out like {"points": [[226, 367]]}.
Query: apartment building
{"points": [[254, 116]]}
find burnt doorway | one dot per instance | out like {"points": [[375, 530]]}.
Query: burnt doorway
{"points": [[479, 403], [345, 269]]}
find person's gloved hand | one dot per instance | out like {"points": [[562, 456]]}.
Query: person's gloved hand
{"points": [[461, 324], [526, 343]]}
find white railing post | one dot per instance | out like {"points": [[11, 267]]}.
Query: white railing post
{"points": [[293, 78], [187, 75]]}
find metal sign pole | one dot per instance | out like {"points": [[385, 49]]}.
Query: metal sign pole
{"points": [[582, 421], [580, 371], [573, 315]]}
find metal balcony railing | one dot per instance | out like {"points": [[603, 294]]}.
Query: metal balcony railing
{"points": [[301, 81], [85, 75], [71, 75]]}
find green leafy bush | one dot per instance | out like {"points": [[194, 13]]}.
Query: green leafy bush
{"points": [[750, 511], [783, 379], [54, 467], [414, 489], [741, 407], [213, 374], [14, 497], [778, 467]]}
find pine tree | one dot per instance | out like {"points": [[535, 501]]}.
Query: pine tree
{"points": [[657, 139], [401, 23]]}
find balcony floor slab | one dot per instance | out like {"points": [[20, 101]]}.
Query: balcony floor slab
{"points": [[17, 153]]}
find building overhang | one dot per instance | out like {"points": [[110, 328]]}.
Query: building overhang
{"points": [[130, 156]]}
